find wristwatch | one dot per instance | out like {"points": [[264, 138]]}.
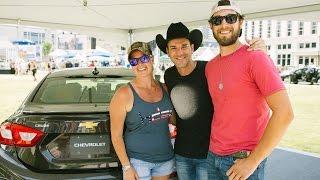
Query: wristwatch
{"points": [[125, 168]]}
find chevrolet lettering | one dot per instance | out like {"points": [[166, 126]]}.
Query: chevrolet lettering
{"points": [[77, 145]]}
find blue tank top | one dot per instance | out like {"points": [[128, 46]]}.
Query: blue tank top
{"points": [[147, 133]]}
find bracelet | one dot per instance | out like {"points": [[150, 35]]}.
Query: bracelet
{"points": [[125, 168]]}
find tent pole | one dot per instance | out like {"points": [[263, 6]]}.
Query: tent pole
{"points": [[130, 34]]}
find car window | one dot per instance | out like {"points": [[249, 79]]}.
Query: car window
{"points": [[78, 90]]}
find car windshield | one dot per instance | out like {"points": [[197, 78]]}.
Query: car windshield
{"points": [[65, 90]]}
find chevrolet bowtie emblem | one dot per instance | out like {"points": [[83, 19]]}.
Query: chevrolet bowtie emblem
{"points": [[88, 124]]}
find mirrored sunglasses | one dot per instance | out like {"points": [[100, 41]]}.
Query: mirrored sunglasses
{"points": [[143, 59], [217, 20]]}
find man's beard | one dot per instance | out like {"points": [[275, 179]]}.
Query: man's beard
{"points": [[225, 41]]}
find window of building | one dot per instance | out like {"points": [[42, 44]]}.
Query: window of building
{"points": [[314, 28], [306, 61], [300, 28], [313, 45], [252, 30], [312, 60], [37, 38], [52, 40], [246, 30], [289, 46], [278, 28], [289, 28], [307, 45], [279, 46], [288, 59], [42, 38], [279, 59], [260, 29], [284, 46], [269, 29], [301, 45], [25, 35], [283, 60], [300, 60], [269, 47]]}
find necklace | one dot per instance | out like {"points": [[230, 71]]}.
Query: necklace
{"points": [[227, 59], [220, 84]]}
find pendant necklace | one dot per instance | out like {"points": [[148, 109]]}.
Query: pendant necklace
{"points": [[220, 85], [227, 63]]}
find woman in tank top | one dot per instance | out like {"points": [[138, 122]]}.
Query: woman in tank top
{"points": [[143, 106]]}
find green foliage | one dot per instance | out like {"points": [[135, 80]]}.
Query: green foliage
{"points": [[46, 48]]}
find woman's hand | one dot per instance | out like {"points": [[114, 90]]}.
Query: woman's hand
{"points": [[130, 174]]}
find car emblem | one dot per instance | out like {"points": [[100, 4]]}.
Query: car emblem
{"points": [[88, 124]]}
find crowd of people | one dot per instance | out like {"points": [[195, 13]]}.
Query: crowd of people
{"points": [[20, 67], [222, 108], [30, 66]]}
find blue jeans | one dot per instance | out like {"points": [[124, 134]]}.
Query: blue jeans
{"points": [[219, 165], [190, 168], [147, 170]]}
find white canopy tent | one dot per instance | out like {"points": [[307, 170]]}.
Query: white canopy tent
{"points": [[114, 20]]}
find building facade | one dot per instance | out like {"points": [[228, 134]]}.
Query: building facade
{"points": [[290, 43]]}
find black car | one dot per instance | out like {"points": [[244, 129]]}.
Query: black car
{"points": [[61, 130], [305, 74]]}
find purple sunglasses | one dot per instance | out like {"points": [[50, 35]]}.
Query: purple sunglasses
{"points": [[143, 59]]}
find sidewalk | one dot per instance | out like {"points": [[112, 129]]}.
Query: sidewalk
{"points": [[285, 164]]}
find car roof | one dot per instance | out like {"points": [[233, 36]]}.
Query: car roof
{"points": [[88, 72]]}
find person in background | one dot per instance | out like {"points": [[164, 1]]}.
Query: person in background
{"points": [[33, 68]]}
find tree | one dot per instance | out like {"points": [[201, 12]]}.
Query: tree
{"points": [[46, 48]]}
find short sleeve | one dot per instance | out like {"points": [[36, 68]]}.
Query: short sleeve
{"points": [[265, 74]]}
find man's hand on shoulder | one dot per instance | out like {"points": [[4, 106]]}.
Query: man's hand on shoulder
{"points": [[257, 44]]}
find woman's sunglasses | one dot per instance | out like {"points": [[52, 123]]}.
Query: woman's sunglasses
{"points": [[143, 59], [217, 20]]}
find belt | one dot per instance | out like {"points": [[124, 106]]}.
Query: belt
{"points": [[241, 154]]}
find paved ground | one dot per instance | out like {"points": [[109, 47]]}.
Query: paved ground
{"points": [[288, 164]]}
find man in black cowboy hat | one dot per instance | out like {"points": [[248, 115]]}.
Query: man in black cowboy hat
{"points": [[244, 87], [187, 85]]}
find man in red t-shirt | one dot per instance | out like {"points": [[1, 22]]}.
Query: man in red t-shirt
{"points": [[244, 86]]}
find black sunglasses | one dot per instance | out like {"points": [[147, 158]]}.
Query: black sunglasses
{"points": [[217, 20], [144, 59]]}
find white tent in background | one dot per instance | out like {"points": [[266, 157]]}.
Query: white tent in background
{"points": [[80, 56], [58, 53], [6, 44]]}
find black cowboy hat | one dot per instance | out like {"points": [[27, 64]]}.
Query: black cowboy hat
{"points": [[179, 30]]}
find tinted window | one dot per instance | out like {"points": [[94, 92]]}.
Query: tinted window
{"points": [[78, 90]]}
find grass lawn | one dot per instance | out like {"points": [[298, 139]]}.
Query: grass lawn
{"points": [[303, 134]]}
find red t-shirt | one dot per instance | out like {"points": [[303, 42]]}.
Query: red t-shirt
{"points": [[241, 113]]}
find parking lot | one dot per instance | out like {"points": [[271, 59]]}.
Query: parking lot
{"points": [[303, 134]]}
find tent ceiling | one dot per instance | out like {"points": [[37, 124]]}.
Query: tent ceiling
{"points": [[118, 16], [128, 14]]}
